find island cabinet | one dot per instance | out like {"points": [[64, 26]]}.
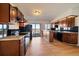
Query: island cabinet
{"points": [[9, 48], [70, 38], [13, 46], [4, 12], [51, 36]]}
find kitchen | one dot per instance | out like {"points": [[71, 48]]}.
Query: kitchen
{"points": [[16, 31]]}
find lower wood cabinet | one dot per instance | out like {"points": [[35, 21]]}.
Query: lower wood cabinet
{"points": [[51, 36], [9, 48], [65, 37], [74, 38], [14, 47], [70, 37], [22, 47]]}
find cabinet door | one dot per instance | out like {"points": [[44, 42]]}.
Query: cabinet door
{"points": [[13, 13], [9, 48], [51, 36], [4, 12], [70, 22], [64, 37], [73, 38]]}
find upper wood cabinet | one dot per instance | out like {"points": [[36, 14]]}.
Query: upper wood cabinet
{"points": [[20, 15], [4, 12], [63, 22], [68, 21], [13, 12], [9, 13]]}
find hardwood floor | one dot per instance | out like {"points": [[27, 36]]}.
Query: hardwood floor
{"points": [[40, 47]]}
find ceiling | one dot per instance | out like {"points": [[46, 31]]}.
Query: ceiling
{"points": [[49, 10]]}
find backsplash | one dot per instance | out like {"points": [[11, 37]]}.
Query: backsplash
{"points": [[71, 29]]}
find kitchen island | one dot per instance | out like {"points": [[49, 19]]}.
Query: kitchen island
{"points": [[64, 36], [14, 45]]}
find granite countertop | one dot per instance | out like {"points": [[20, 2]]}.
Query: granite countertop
{"points": [[68, 32], [65, 32], [12, 38]]}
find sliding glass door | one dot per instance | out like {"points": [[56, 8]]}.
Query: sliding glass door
{"points": [[35, 30]]}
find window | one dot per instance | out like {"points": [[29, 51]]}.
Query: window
{"points": [[37, 26], [3, 30], [33, 26], [35, 30], [47, 26]]}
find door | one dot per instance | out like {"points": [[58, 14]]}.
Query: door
{"points": [[36, 30]]}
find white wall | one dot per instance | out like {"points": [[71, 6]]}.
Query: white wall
{"points": [[77, 24], [77, 21]]}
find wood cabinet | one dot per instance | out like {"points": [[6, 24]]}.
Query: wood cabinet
{"points": [[20, 15], [70, 38], [51, 36], [74, 38], [9, 13], [9, 48], [70, 22], [13, 12], [16, 47], [22, 47], [65, 37], [4, 12]]}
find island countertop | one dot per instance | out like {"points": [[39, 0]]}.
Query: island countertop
{"points": [[64, 31], [13, 37], [14, 45]]}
